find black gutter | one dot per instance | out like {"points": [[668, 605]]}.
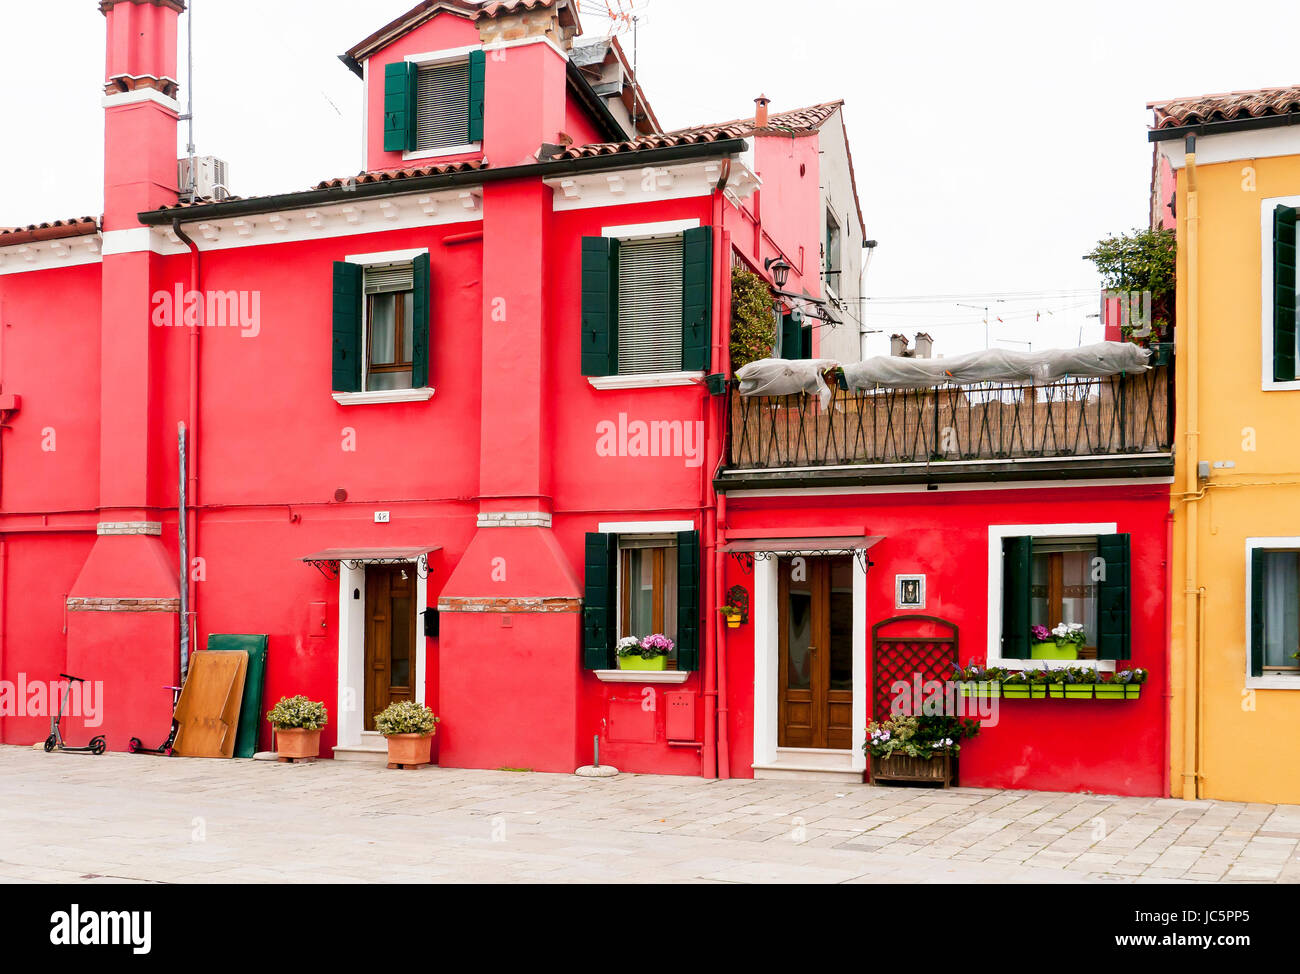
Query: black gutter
{"points": [[1228, 125], [936, 474], [420, 184]]}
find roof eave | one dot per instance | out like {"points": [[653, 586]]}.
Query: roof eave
{"points": [[418, 184], [1223, 126]]}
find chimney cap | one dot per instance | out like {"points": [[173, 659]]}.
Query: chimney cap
{"points": [[763, 100]]}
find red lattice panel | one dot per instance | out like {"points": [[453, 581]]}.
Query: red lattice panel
{"points": [[896, 658]]}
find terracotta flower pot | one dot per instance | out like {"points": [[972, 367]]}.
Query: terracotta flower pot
{"points": [[297, 742], [409, 749]]}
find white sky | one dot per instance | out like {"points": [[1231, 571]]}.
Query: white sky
{"points": [[994, 142]]}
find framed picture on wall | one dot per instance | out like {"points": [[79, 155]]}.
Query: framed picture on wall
{"points": [[909, 591]]}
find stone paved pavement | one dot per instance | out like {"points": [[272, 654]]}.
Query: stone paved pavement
{"points": [[70, 817]]}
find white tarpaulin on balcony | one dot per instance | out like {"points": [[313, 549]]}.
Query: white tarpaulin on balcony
{"points": [[995, 365], [785, 377]]}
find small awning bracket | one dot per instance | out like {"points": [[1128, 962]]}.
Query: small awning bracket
{"points": [[327, 562], [747, 552]]}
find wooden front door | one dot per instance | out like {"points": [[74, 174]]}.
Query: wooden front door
{"points": [[390, 637], [815, 626]]}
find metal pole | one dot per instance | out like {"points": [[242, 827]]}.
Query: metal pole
{"points": [[595, 746], [185, 559]]}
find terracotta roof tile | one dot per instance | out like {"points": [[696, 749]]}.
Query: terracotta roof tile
{"points": [[1226, 107], [73, 227], [799, 121], [378, 176], [466, 8]]}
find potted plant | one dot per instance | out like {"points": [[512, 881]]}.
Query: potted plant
{"points": [[409, 728], [297, 722], [1039, 680], [650, 653], [978, 681], [1132, 681], [1055, 681], [916, 748], [1079, 682], [1016, 685], [733, 614], [1063, 642]]}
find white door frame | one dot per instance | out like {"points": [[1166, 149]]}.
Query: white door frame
{"points": [[352, 647], [767, 659]]}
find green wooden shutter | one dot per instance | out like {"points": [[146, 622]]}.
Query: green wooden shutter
{"points": [[1256, 648], [399, 106], [796, 340], [1284, 285], [1017, 560], [599, 306], [688, 600], [420, 302], [697, 298], [346, 367], [477, 77], [599, 602], [1114, 597]]}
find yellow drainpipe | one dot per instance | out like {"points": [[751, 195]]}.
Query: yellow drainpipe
{"points": [[1191, 589]]}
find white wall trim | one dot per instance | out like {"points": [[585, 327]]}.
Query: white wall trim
{"points": [[44, 255], [1241, 146], [996, 533], [643, 184], [352, 650], [525, 42], [644, 527], [663, 228], [642, 676], [380, 396], [449, 56], [645, 380], [134, 241], [386, 257], [465, 148], [1266, 206], [1276, 681], [140, 96], [765, 613]]}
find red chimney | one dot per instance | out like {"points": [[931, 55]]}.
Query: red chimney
{"points": [[140, 108], [760, 114]]}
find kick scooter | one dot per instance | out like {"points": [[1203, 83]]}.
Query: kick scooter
{"points": [[54, 742], [166, 748]]}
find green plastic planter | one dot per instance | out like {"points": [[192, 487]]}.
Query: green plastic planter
{"points": [[1053, 650], [1110, 691], [1038, 691], [1056, 690], [1079, 691], [636, 662], [1132, 691], [981, 688], [1016, 691]]}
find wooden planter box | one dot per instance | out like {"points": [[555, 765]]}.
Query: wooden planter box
{"points": [[900, 767]]}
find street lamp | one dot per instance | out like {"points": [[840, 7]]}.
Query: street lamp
{"points": [[780, 271]]}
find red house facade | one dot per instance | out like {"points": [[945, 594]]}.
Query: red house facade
{"points": [[456, 424]]}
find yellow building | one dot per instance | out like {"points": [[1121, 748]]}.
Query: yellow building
{"points": [[1235, 627]]}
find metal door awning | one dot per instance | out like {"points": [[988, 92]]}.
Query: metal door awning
{"points": [[329, 560], [749, 550]]}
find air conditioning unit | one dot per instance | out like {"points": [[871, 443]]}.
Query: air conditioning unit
{"points": [[211, 178]]}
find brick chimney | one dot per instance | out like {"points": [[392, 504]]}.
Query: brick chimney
{"points": [[924, 347], [760, 112], [140, 108]]}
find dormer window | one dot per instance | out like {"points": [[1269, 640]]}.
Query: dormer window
{"points": [[434, 106]]}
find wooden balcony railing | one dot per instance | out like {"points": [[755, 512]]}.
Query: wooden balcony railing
{"points": [[1119, 415]]}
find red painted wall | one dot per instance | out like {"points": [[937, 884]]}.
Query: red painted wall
{"points": [[1052, 745]]}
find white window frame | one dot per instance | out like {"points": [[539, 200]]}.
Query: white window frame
{"points": [[1276, 681], [997, 532], [647, 380], [431, 59], [369, 397], [1266, 207]]}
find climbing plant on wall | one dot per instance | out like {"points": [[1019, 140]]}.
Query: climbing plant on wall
{"points": [[753, 328]]}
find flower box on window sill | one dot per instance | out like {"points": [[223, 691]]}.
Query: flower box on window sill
{"points": [[901, 767], [1053, 650], [1118, 691], [635, 662], [1071, 691], [981, 688], [1024, 691]]}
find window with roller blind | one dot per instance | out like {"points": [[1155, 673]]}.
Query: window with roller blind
{"points": [[441, 106], [434, 107], [647, 303]]}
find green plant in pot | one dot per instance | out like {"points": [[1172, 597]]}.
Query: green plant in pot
{"points": [[1132, 681], [650, 653], [978, 681], [408, 727], [298, 722], [1016, 685], [1039, 681], [1063, 642], [1079, 682]]}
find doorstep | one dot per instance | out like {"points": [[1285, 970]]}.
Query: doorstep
{"points": [[372, 749], [810, 764]]}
